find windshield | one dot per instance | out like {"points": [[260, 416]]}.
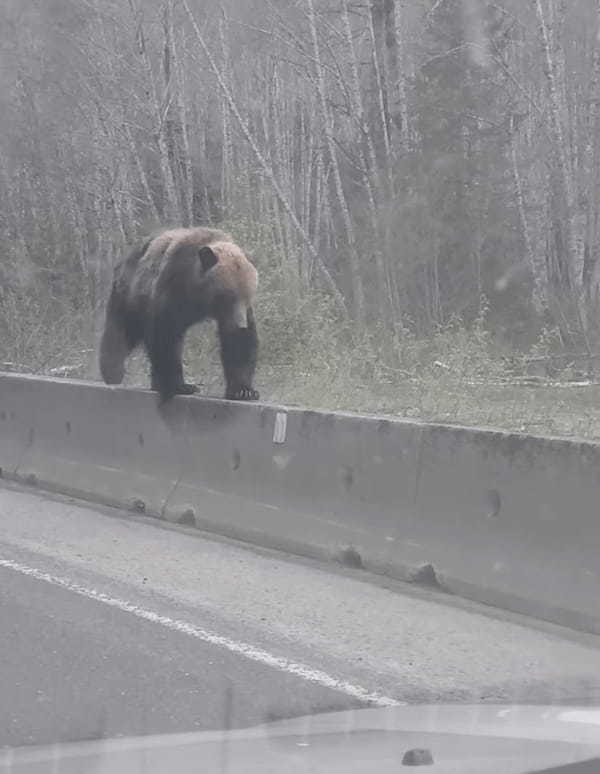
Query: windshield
{"points": [[299, 405]]}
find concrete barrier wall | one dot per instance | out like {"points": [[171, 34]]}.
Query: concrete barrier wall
{"points": [[505, 519]]}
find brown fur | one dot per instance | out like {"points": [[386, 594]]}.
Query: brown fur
{"points": [[177, 278]]}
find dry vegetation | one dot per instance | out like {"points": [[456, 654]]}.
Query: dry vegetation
{"points": [[417, 181]]}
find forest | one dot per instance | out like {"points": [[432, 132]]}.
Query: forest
{"points": [[417, 182]]}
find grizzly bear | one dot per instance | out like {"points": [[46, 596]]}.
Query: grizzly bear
{"points": [[170, 282]]}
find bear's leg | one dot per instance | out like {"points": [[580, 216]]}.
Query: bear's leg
{"points": [[164, 345], [114, 344], [239, 349], [183, 387]]}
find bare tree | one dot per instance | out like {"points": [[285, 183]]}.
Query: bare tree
{"points": [[355, 270], [267, 169]]}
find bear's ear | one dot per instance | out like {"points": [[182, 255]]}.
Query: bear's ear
{"points": [[207, 258]]}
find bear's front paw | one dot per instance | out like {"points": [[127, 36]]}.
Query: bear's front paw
{"points": [[242, 393]]}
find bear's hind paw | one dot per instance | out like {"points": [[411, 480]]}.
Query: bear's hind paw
{"points": [[186, 389]]}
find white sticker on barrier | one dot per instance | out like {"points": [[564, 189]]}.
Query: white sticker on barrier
{"points": [[280, 429]]}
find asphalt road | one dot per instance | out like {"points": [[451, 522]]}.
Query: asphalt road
{"points": [[72, 668], [114, 625]]}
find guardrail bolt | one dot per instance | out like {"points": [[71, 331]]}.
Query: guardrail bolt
{"points": [[188, 517], [417, 758], [351, 558], [425, 575], [347, 476], [494, 502]]}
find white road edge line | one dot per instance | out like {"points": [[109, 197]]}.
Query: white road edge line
{"points": [[241, 648]]}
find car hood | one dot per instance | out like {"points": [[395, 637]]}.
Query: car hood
{"points": [[440, 739]]}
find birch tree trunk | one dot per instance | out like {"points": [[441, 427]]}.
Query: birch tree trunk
{"points": [[557, 110], [394, 35], [226, 142], [170, 205], [377, 34], [126, 127], [592, 163], [355, 268], [186, 187], [368, 164], [25, 265], [537, 269]]}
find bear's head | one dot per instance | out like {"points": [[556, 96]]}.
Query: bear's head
{"points": [[229, 282]]}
